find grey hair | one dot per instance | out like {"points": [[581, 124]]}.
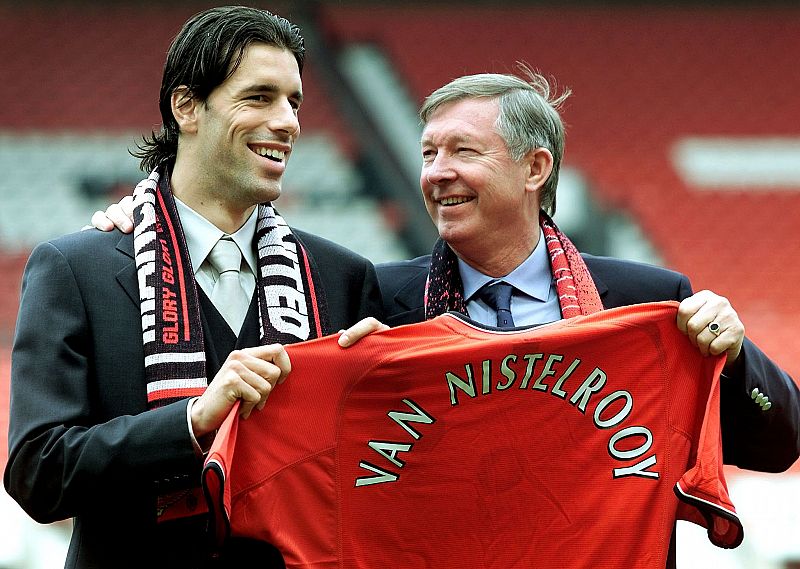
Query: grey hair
{"points": [[528, 116]]}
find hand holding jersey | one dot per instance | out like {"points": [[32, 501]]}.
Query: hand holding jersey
{"points": [[712, 325], [249, 374]]}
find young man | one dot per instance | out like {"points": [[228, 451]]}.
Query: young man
{"points": [[131, 349]]}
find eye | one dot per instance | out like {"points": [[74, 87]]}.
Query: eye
{"points": [[465, 150], [259, 98], [428, 154]]}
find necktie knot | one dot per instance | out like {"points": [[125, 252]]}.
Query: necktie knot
{"points": [[228, 296], [497, 296], [225, 256]]}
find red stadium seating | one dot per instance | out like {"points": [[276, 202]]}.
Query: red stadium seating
{"points": [[5, 374], [11, 267]]}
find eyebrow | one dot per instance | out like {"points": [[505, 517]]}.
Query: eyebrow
{"points": [[452, 138]]}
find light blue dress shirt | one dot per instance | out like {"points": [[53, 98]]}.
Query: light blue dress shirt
{"points": [[535, 300], [202, 235]]}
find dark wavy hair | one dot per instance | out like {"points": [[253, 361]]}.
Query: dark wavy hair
{"points": [[208, 50]]}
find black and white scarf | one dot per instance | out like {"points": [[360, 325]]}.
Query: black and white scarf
{"points": [[291, 309]]}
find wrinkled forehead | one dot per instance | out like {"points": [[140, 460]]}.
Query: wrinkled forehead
{"points": [[465, 119]]}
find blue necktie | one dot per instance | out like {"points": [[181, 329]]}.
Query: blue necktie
{"points": [[498, 298]]}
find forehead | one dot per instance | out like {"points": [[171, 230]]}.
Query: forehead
{"points": [[473, 118], [263, 63]]}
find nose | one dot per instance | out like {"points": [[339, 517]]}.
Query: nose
{"points": [[285, 119], [438, 171]]}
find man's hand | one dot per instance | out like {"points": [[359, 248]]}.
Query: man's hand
{"points": [[249, 374], [360, 329], [712, 325], [119, 215]]}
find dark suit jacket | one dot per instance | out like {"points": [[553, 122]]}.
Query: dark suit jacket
{"points": [[81, 441], [754, 439]]}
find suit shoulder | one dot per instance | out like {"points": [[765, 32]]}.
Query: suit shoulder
{"points": [[395, 274], [611, 266], [630, 282], [410, 266], [91, 243], [321, 247]]}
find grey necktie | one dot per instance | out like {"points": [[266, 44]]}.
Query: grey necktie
{"points": [[228, 295], [498, 297]]}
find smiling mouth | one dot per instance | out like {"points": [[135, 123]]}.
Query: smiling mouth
{"points": [[270, 153], [454, 200]]}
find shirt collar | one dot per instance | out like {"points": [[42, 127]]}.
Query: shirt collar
{"points": [[202, 235], [532, 277]]}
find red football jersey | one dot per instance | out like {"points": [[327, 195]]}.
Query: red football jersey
{"points": [[443, 444]]}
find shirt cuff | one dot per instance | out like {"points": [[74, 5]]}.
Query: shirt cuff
{"points": [[197, 450]]}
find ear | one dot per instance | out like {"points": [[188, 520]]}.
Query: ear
{"points": [[540, 166], [185, 109]]}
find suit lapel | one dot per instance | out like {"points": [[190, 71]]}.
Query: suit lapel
{"points": [[602, 288], [411, 295], [411, 298], [127, 276]]}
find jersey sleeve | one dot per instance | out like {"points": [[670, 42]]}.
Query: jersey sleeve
{"points": [[702, 491], [215, 475]]}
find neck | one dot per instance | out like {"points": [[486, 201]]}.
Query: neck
{"points": [[191, 190], [501, 261]]}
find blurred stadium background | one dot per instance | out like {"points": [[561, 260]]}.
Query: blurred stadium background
{"points": [[683, 149]]}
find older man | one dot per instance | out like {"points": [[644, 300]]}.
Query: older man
{"points": [[491, 148]]}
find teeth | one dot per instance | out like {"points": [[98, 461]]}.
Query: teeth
{"points": [[454, 200], [270, 153]]}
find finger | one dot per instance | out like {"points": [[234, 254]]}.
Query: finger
{"points": [[251, 399], [248, 385], [729, 339], [101, 221], [688, 308], [259, 373], [703, 341], [274, 354], [120, 218], [359, 330], [210, 410], [126, 205]]}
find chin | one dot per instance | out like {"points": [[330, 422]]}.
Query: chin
{"points": [[453, 237], [268, 193]]}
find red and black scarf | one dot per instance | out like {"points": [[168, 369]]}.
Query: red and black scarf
{"points": [[291, 309], [577, 293]]}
